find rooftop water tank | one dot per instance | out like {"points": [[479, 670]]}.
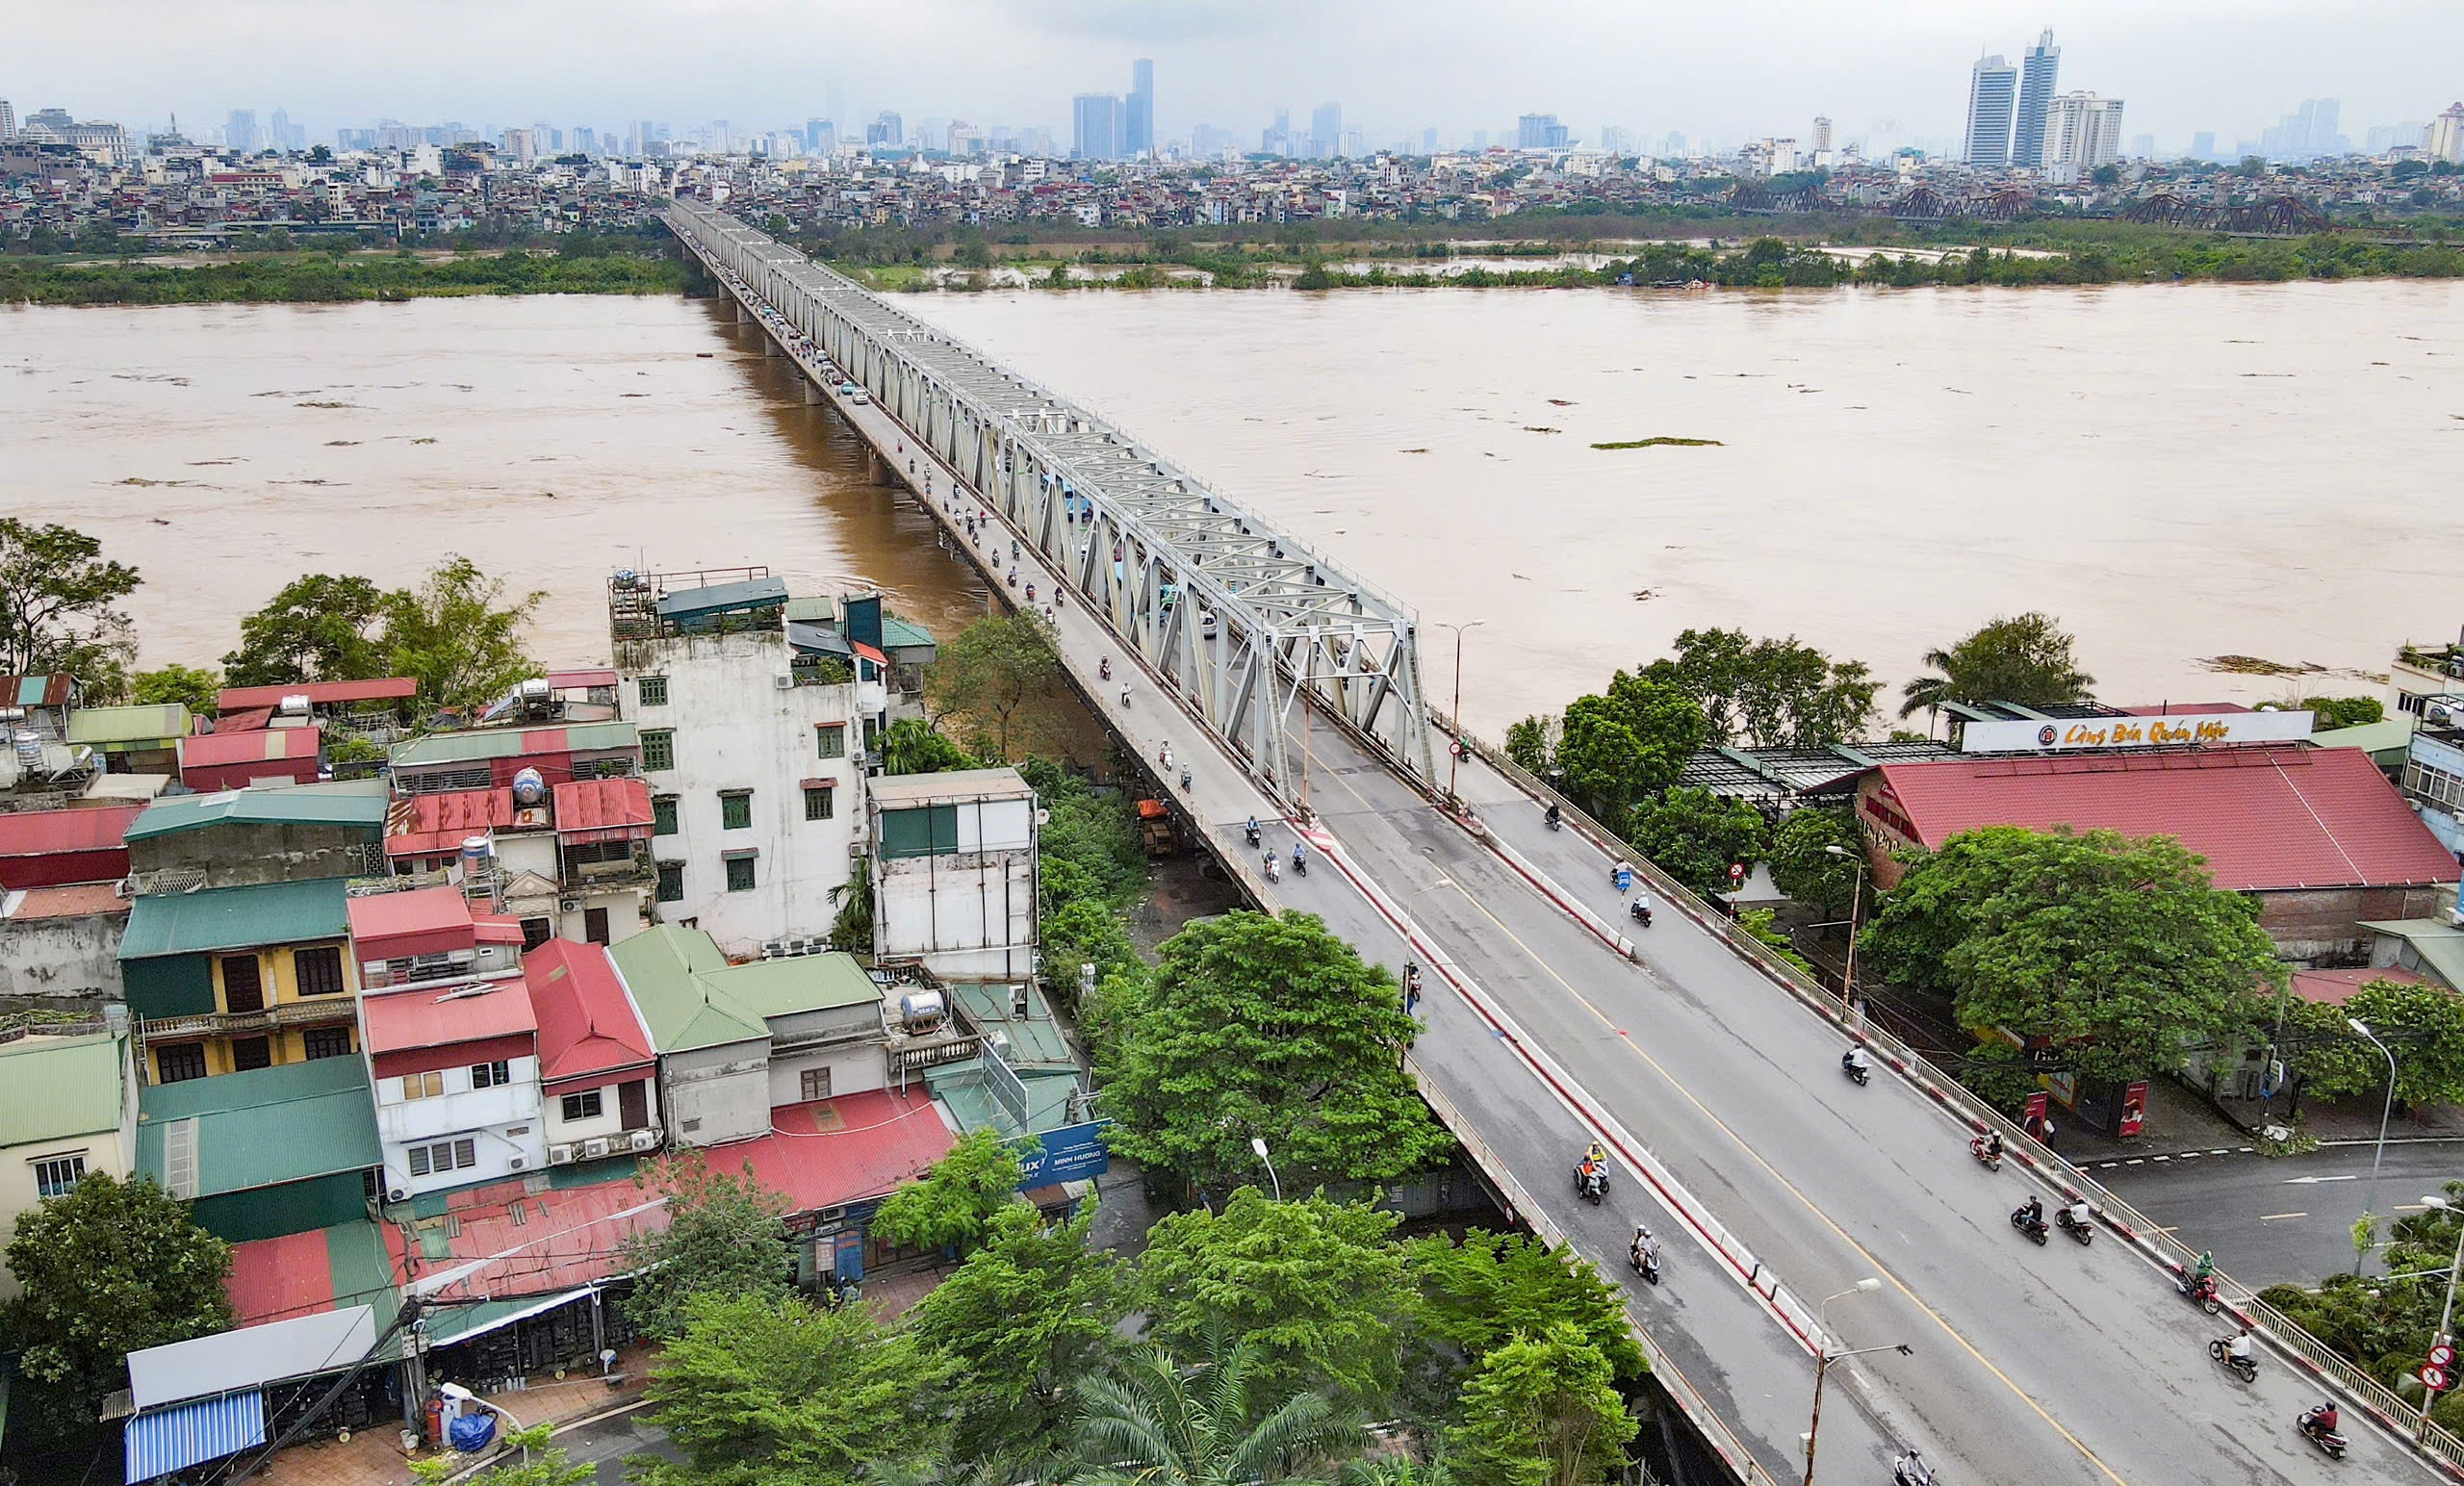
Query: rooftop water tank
{"points": [[529, 788], [296, 705], [921, 1011]]}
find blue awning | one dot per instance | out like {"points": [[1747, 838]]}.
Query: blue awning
{"points": [[175, 1439]]}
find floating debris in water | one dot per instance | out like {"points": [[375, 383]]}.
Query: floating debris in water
{"points": [[1660, 439]]}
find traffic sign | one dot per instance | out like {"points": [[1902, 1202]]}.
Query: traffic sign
{"points": [[1736, 874], [2442, 1355], [2435, 1378]]}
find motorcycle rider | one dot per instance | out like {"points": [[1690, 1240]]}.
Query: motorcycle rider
{"points": [[2078, 1212], [1988, 1145], [2032, 1212], [1556, 816], [1274, 867], [1104, 668], [1855, 1061], [1299, 858], [2238, 1349], [1646, 1250], [1595, 1154], [1252, 830], [1640, 909], [2322, 1420]]}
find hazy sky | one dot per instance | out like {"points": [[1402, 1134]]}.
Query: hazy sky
{"points": [[1724, 68]]}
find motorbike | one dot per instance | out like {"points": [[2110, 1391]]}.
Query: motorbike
{"points": [[1104, 668], [1300, 863], [2200, 1293], [1640, 912], [1591, 1183], [2030, 1224], [1251, 832], [2072, 1226], [1910, 1469], [2247, 1367], [1858, 1073], [1991, 1160], [2325, 1439], [1274, 867], [1185, 778], [1557, 822], [1645, 1264]]}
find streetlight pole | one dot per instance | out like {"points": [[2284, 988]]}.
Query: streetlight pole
{"points": [[2369, 1197], [1454, 756], [1855, 904], [1824, 1357], [2447, 1312], [1258, 1144]]}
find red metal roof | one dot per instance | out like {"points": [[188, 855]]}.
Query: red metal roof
{"points": [[43, 833], [495, 928], [74, 900], [400, 1020], [2334, 987], [391, 688], [208, 749], [426, 824], [280, 1278], [54, 692], [602, 810], [252, 719], [587, 1025], [839, 1150], [2264, 817], [398, 925], [2187, 709], [586, 676]]}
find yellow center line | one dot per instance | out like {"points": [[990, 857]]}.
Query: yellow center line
{"points": [[1843, 1235]]}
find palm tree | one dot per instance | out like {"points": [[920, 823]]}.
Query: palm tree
{"points": [[2024, 658], [1396, 1471], [1158, 1423]]}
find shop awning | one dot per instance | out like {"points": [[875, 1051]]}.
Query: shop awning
{"points": [[448, 1324], [187, 1434], [250, 1356]]}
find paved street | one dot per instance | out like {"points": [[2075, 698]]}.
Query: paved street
{"points": [[610, 1442], [2278, 1220]]}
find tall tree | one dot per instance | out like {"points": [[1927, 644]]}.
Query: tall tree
{"points": [[1483, 1291], [1804, 867], [958, 1199], [197, 690], [2024, 658], [1543, 1410], [1258, 1026], [1158, 1422], [1316, 1284], [999, 683], [110, 1269], [910, 745], [1633, 740], [57, 605], [1028, 1315], [2121, 952], [1770, 693], [772, 1392], [460, 635], [725, 1235], [1695, 836], [319, 628]]}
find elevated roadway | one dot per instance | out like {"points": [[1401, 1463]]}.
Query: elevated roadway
{"points": [[1775, 1182]]}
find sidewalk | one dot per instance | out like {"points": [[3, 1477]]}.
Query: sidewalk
{"points": [[374, 1456]]}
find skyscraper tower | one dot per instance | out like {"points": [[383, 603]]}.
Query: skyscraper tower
{"points": [[1326, 130], [1993, 88], [2037, 71], [1139, 112]]}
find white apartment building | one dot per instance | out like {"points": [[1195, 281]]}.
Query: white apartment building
{"points": [[954, 872], [456, 1072], [2445, 138], [2082, 132]]}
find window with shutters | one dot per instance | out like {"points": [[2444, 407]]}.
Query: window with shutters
{"points": [[318, 970], [325, 1042], [659, 748], [816, 1084], [536, 931], [819, 802], [653, 691], [663, 816], [831, 739], [491, 1075], [582, 1106], [179, 1062], [671, 881], [424, 1086], [740, 875], [242, 983], [735, 809], [248, 1053]]}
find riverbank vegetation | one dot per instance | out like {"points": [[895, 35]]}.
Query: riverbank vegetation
{"points": [[583, 266]]}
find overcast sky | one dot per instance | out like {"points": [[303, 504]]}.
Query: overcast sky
{"points": [[1725, 68]]}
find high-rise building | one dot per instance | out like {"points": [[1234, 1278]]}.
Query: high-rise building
{"points": [[1428, 139], [1137, 116], [2142, 146], [887, 131], [1539, 131], [1993, 91], [2037, 70], [1277, 138], [8, 121], [239, 130], [1821, 136], [1096, 126], [2203, 144], [1326, 130], [2445, 138], [2081, 132]]}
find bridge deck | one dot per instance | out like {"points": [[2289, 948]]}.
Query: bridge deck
{"points": [[1735, 1134]]}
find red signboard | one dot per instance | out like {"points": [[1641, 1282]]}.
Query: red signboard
{"points": [[2134, 1109]]}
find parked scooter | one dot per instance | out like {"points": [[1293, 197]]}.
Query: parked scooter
{"points": [[2248, 1369]]}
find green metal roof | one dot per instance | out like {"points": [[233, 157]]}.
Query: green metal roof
{"points": [[1036, 1040], [802, 983], [811, 611], [903, 634], [2388, 735], [304, 806], [2439, 944], [265, 1127], [687, 605], [189, 923], [52, 1088], [483, 743], [130, 726], [664, 968], [960, 1086]]}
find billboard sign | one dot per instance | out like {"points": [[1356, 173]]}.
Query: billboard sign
{"points": [[1073, 1153], [2111, 734]]}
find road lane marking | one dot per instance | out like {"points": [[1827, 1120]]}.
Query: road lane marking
{"points": [[2268, 1217], [1792, 1190]]}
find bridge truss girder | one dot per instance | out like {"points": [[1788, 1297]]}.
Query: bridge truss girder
{"points": [[1237, 617]]}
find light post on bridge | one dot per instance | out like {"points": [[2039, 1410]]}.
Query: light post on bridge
{"points": [[1454, 753], [1855, 905], [2370, 1196], [1824, 1357]]}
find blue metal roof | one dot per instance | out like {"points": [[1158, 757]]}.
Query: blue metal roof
{"points": [[175, 1439], [721, 597]]}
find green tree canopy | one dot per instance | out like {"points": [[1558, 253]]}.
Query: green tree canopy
{"points": [[58, 608], [1259, 1026], [1804, 867], [319, 628], [1159, 1422], [1695, 836], [460, 635], [199, 691], [110, 1269], [725, 1235], [2343, 711], [1316, 1284], [1543, 1410], [999, 683], [2425, 1023], [1028, 1315], [956, 1202], [766, 1391], [2122, 951], [2024, 658], [1483, 1291], [1769, 693], [1631, 741], [910, 745]]}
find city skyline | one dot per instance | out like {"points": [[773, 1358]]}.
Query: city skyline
{"points": [[1395, 71]]}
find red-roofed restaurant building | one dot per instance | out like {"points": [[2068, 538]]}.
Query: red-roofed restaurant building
{"points": [[2318, 834]]}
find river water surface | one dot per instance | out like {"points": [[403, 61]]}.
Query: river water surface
{"points": [[2180, 473]]}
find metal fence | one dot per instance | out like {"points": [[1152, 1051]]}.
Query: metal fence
{"points": [[2393, 1412]]}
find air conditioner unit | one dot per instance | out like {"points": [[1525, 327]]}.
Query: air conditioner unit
{"points": [[515, 1163], [855, 850], [645, 1139], [593, 1148], [559, 1155], [784, 680], [568, 905], [397, 1194]]}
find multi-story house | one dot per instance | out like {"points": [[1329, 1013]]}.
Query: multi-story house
{"points": [[67, 1110], [223, 980], [456, 1073], [954, 872], [598, 1069]]}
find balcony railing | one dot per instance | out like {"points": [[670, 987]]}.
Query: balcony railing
{"points": [[321, 1011]]}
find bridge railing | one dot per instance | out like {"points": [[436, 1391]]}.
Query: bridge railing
{"points": [[2287, 1334], [1715, 1431]]}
